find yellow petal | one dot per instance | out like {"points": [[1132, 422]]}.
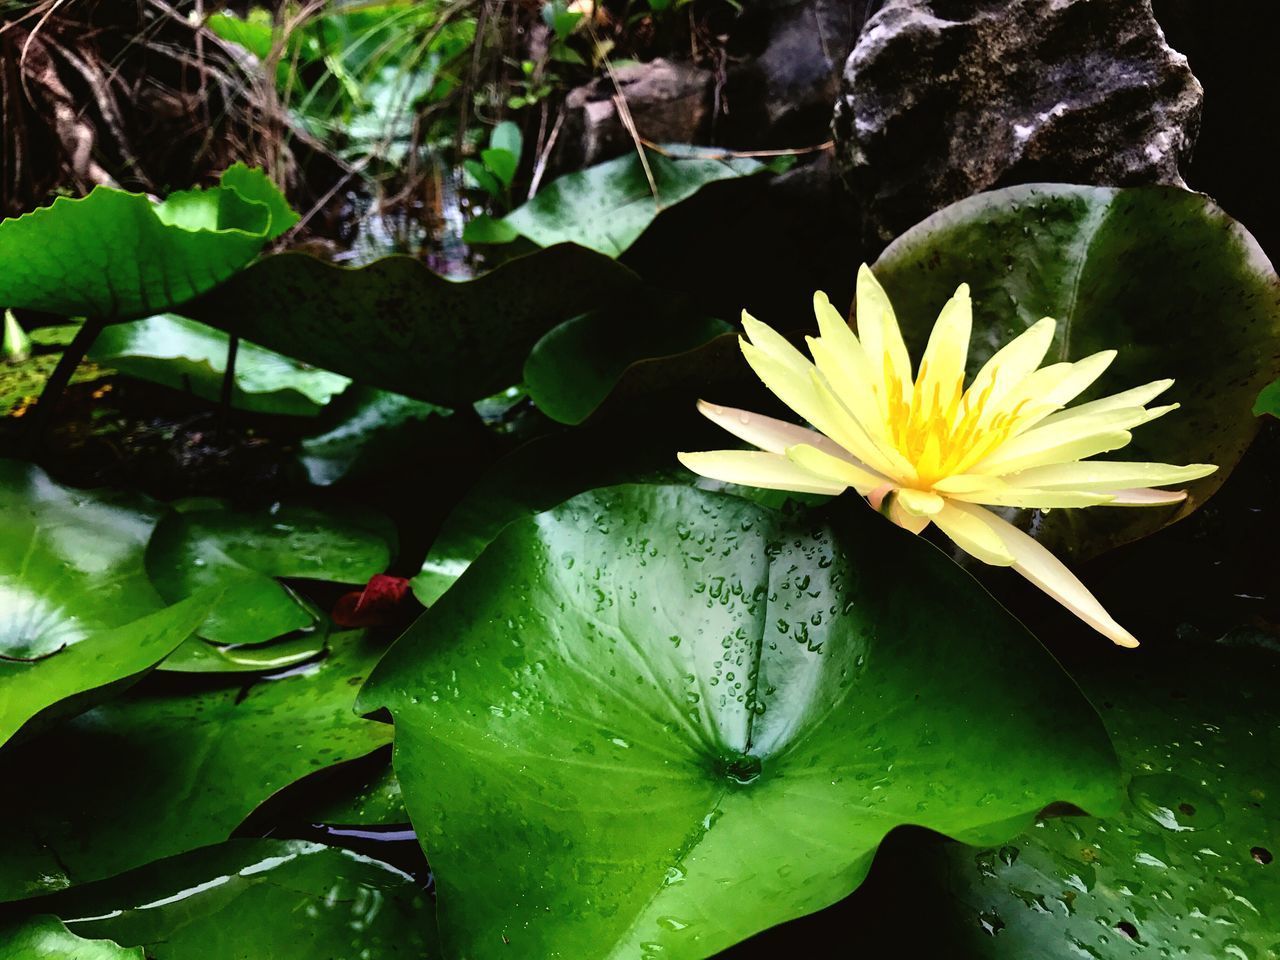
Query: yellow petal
{"points": [[793, 387], [1015, 361], [1049, 574], [774, 344], [1146, 497], [850, 379], [1040, 445], [880, 334], [764, 432], [835, 469], [971, 534], [1137, 397], [942, 366], [754, 468], [1032, 499], [919, 503], [907, 521], [837, 423], [1108, 475]]}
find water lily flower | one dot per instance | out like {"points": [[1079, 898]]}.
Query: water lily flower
{"points": [[925, 449]]}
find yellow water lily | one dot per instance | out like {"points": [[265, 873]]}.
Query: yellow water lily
{"points": [[924, 449]]}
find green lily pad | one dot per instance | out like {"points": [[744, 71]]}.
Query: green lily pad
{"points": [[240, 553], [116, 255], [44, 937], [186, 355], [373, 433], [572, 369], [396, 325], [78, 615], [608, 206], [638, 705], [196, 655], [378, 801], [1160, 274], [22, 381], [1186, 868], [1268, 400], [286, 900], [173, 767]]}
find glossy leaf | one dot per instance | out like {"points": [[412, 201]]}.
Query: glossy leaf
{"points": [[171, 768], [572, 369], [196, 655], [190, 356], [44, 937], [78, 615], [1161, 275], [240, 554], [378, 801], [117, 255], [286, 900], [608, 206], [634, 707], [396, 325]]}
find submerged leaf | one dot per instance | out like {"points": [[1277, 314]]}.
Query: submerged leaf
{"points": [[648, 690]]}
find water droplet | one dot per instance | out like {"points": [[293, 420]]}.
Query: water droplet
{"points": [[1175, 803]]}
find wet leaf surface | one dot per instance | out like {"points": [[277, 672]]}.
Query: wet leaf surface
{"points": [[649, 691], [172, 767], [46, 938]]}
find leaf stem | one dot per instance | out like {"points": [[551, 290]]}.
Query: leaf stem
{"points": [[57, 383], [229, 379]]}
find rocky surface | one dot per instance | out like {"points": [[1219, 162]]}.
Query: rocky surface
{"points": [[941, 99], [669, 103]]}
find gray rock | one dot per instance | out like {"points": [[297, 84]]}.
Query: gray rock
{"points": [[669, 103], [945, 98]]}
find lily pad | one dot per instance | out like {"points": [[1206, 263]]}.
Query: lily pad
{"points": [[1187, 867], [117, 256], [171, 768], [572, 369], [190, 356], [240, 553], [1162, 275], [396, 325], [78, 615], [374, 431], [608, 206], [1268, 400], [636, 705], [287, 900], [46, 938], [197, 655]]}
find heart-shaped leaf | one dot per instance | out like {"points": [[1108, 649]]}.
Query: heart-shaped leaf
{"points": [[608, 206], [190, 356], [210, 547], [287, 900], [78, 615], [396, 325], [115, 256], [44, 936], [635, 707], [172, 767], [1162, 275]]}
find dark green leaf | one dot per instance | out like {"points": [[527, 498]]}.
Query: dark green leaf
{"points": [[608, 206], [572, 369], [196, 655], [501, 163], [171, 768], [396, 325], [485, 229], [485, 180], [259, 900], [43, 937], [1160, 274], [187, 355], [654, 721], [239, 555], [1268, 400], [118, 256], [78, 615]]}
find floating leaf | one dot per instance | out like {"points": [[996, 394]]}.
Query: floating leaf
{"points": [[396, 325], [78, 615], [649, 690], [116, 256], [45, 936], [1161, 275], [239, 554], [190, 356], [608, 206], [572, 369], [171, 768], [376, 802], [287, 900], [197, 655]]}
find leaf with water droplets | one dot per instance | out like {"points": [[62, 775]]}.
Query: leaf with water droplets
{"points": [[584, 786]]}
